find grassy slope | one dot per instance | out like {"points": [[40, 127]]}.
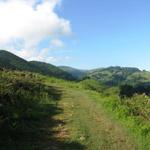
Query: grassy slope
{"points": [[115, 128], [76, 121], [28, 113], [86, 124], [90, 126]]}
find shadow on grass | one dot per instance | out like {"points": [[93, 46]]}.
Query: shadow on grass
{"points": [[35, 133]]}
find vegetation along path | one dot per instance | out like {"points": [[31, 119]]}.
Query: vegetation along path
{"points": [[84, 124]]}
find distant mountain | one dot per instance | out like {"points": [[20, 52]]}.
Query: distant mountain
{"points": [[115, 75], [139, 78], [13, 62], [109, 76], [79, 74], [48, 69]]}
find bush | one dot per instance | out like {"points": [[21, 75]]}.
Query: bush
{"points": [[126, 91], [23, 103], [129, 90]]}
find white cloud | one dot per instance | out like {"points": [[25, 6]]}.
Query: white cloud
{"points": [[26, 23], [57, 43], [58, 59], [43, 56]]}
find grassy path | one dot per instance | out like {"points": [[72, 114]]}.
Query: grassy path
{"points": [[84, 125]]}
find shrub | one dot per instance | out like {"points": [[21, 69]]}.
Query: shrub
{"points": [[23, 102], [126, 91]]}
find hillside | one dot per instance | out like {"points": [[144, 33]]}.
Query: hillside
{"points": [[114, 75], [48, 69], [77, 73], [13, 62], [111, 76], [40, 112]]}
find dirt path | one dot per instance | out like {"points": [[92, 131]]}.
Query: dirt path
{"points": [[84, 125]]}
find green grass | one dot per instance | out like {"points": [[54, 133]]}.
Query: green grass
{"points": [[107, 101], [39, 112], [28, 107], [132, 114], [89, 125], [134, 128]]}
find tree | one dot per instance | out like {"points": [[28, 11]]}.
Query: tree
{"points": [[126, 91]]}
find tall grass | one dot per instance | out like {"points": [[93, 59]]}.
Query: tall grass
{"points": [[133, 113], [25, 102]]}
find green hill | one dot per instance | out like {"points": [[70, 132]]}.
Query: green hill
{"points": [[48, 69], [114, 75], [139, 78], [79, 74], [109, 76], [13, 62]]}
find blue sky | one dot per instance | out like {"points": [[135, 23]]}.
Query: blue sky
{"points": [[108, 33], [84, 34]]}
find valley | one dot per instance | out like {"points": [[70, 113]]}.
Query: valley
{"points": [[50, 109]]}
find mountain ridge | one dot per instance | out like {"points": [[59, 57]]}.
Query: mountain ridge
{"points": [[11, 61], [113, 75]]}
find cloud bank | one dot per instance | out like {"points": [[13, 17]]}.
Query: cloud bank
{"points": [[25, 24]]}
